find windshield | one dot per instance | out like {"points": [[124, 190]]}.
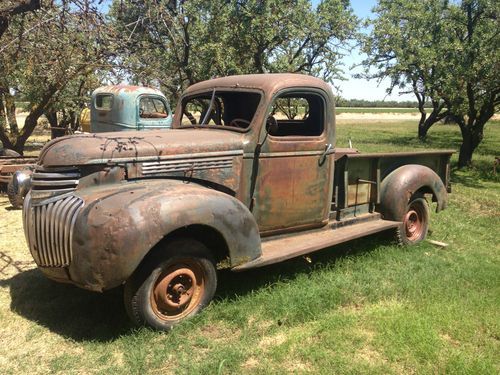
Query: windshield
{"points": [[219, 109]]}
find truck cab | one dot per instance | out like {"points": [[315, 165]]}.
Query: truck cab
{"points": [[248, 176], [125, 107]]}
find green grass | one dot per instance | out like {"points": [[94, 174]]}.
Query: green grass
{"points": [[367, 306]]}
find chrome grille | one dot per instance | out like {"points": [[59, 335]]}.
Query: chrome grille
{"points": [[49, 230], [170, 166], [50, 182]]}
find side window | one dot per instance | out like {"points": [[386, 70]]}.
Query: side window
{"points": [[297, 114], [151, 107], [104, 102]]}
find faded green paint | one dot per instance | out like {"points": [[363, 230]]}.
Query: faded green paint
{"points": [[123, 113]]}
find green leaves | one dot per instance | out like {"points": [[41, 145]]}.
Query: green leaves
{"points": [[445, 52], [177, 44]]}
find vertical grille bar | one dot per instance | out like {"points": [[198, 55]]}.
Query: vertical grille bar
{"points": [[49, 230]]}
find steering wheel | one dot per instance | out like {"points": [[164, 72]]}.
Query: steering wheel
{"points": [[239, 123]]}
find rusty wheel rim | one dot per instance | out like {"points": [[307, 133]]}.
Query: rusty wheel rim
{"points": [[178, 290], [414, 224]]}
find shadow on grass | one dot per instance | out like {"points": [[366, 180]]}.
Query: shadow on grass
{"points": [[232, 285], [82, 315], [67, 310]]}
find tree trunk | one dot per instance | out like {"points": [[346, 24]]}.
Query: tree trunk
{"points": [[436, 115], [29, 125], [424, 127], [466, 150], [4, 134], [472, 135], [422, 132], [10, 107]]}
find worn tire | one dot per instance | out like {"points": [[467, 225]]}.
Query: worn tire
{"points": [[415, 223], [172, 285], [15, 198]]}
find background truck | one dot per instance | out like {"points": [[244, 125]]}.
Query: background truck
{"points": [[113, 108], [248, 176], [124, 107]]}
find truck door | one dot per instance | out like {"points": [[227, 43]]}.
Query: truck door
{"points": [[293, 183]]}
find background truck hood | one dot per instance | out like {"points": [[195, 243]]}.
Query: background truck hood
{"points": [[123, 146]]}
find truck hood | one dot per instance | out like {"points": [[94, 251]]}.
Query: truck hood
{"points": [[128, 146]]}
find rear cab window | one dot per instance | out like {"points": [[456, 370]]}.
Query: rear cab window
{"points": [[151, 107]]}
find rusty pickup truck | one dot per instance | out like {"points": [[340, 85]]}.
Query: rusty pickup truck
{"points": [[248, 176]]}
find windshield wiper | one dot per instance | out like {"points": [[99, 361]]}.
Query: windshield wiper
{"points": [[209, 110]]}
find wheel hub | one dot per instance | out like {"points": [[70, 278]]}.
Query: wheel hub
{"points": [[177, 291], [413, 225]]}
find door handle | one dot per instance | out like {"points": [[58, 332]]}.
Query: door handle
{"points": [[322, 158]]}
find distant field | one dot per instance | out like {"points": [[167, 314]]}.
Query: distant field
{"points": [[365, 307], [340, 110]]}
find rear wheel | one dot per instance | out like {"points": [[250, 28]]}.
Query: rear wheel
{"points": [[415, 222], [172, 287]]}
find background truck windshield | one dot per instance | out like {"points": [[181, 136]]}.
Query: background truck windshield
{"points": [[228, 109]]}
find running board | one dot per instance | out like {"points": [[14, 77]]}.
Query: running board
{"points": [[281, 248]]}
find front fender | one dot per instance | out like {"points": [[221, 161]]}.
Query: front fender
{"points": [[399, 186], [119, 224]]}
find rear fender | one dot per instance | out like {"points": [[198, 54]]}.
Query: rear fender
{"points": [[400, 185], [119, 226]]}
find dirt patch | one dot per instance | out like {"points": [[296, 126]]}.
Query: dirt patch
{"points": [[270, 341], [250, 364], [295, 366], [14, 253], [219, 333]]}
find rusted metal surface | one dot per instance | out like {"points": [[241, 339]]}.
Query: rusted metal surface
{"points": [[178, 290], [102, 236], [18, 186], [101, 202], [310, 241], [402, 183], [124, 109], [413, 223], [9, 165]]}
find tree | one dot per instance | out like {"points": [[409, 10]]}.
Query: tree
{"points": [[444, 52], [474, 94], [403, 46], [45, 55], [183, 42], [13, 8]]}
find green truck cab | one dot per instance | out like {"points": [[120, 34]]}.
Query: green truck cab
{"points": [[124, 107]]}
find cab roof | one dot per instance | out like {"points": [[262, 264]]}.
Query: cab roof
{"points": [[268, 82], [127, 90]]}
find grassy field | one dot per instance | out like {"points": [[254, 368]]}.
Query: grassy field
{"points": [[367, 306]]}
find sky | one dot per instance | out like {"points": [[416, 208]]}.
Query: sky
{"points": [[353, 88]]}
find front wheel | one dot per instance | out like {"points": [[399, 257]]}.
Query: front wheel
{"points": [[171, 287], [415, 222]]}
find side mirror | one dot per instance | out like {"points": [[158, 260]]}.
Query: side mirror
{"points": [[271, 125]]}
